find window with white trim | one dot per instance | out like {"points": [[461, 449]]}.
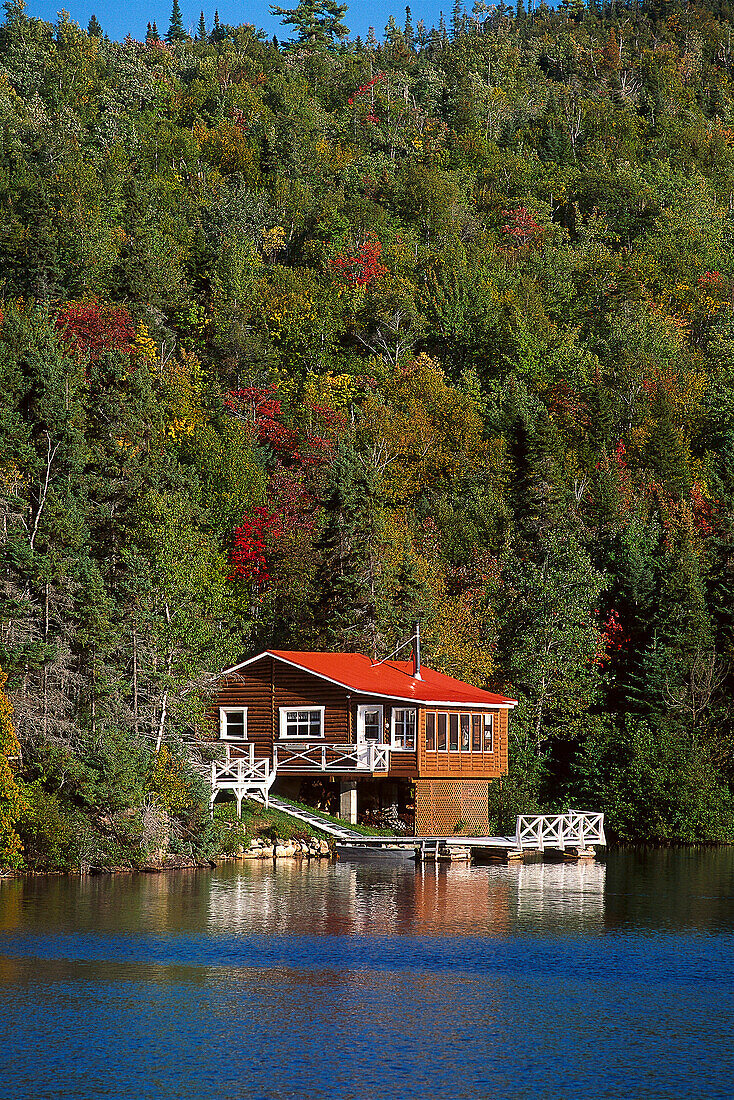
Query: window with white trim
{"points": [[403, 729], [305, 722], [233, 723]]}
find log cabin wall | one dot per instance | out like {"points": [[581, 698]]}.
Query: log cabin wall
{"points": [[294, 688], [251, 687]]}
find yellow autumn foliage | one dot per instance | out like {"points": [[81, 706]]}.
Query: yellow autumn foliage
{"points": [[423, 429], [273, 240], [183, 383], [144, 347]]}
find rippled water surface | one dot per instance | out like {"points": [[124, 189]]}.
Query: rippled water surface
{"points": [[373, 980]]}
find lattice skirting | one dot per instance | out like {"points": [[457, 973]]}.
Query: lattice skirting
{"points": [[449, 807]]}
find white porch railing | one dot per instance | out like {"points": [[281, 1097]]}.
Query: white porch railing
{"points": [[242, 775], [574, 829], [325, 757]]}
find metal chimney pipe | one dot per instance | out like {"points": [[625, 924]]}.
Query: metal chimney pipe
{"points": [[417, 651]]}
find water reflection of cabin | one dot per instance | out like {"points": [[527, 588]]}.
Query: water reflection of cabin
{"points": [[360, 737]]}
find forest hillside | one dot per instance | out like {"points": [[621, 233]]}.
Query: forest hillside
{"points": [[302, 341]]}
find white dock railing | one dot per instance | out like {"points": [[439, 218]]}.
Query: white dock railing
{"points": [[325, 757], [573, 829]]}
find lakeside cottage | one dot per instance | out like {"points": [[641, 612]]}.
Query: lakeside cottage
{"points": [[362, 736]]}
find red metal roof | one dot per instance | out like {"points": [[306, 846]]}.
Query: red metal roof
{"points": [[391, 679]]}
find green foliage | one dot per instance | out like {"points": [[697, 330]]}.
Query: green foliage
{"points": [[50, 831], [656, 783], [12, 802], [451, 313]]}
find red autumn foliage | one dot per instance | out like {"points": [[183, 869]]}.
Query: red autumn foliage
{"points": [[330, 418], [260, 406], [364, 88], [712, 280], [248, 556], [617, 461], [239, 119], [612, 638], [362, 268], [702, 511], [566, 403], [92, 328], [521, 226], [293, 503]]}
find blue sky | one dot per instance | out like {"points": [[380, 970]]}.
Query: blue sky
{"points": [[132, 17]]}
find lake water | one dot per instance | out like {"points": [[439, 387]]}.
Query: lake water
{"points": [[369, 980]]}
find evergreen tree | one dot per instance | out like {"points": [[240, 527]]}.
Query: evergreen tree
{"points": [[549, 633], [94, 30], [317, 22], [479, 14], [202, 34], [393, 35], [15, 12], [458, 20], [535, 492], [408, 32], [346, 610], [176, 31]]}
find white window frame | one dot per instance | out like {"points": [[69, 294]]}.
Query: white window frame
{"points": [[393, 743], [223, 712], [489, 731], [489, 723], [283, 713], [465, 714], [362, 707]]}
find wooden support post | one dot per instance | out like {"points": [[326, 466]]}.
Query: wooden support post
{"points": [[348, 801]]}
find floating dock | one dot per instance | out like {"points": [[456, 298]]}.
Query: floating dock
{"points": [[575, 834]]}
